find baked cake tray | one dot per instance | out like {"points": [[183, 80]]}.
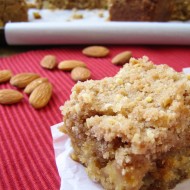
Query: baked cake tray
{"points": [[92, 27]]}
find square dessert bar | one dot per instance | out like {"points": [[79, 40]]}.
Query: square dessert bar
{"points": [[132, 131], [13, 11], [68, 4]]}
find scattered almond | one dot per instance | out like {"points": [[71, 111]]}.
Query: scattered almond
{"points": [[68, 65], [31, 86], [122, 58], [41, 95], [96, 51], [23, 79], [9, 96], [5, 75], [80, 74], [49, 62]]}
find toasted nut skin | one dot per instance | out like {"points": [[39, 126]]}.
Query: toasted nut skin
{"points": [[122, 58], [80, 74], [49, 62], [23, 79], [68, 65], [9, 96], [96, 51], [5, 75], [31, 86], [41, 95]]}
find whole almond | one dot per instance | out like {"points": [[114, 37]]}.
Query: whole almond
{"points": [[9, 96], [31, 86], [23, 79], [68, 65], [80, 74], [41, 95], [122, 58], [49, 62], [96, 51], [5, 75]]}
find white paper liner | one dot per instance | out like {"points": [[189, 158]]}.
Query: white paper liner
{"points": [[73, 175], [186, 70]]}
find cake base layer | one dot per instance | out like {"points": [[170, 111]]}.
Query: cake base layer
{"points": [[161, 174]]}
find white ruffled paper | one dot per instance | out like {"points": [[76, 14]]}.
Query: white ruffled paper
{"points": [[186, 70]]}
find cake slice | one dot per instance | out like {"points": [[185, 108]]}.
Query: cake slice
{"points": [[128, 10], [139, 10], [132, 131], [13, 11], [149, 10], [66, 4], [180, 10]]}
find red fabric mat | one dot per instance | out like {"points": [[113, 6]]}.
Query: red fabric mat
{"points": [[26, 151]]}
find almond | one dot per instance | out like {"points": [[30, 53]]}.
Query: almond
{"points": [[80, 74], [122, 58], [5, 75], [68, 65], [96, 51], [49, 62], [23, 79], [31, 86], [41, 95], [9, 96]]}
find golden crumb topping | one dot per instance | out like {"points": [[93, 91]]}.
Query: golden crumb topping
{"points": [[147, 106]]}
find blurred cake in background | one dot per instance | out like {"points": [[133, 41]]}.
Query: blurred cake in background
{"points": [[180, 10], [68, 4], [13, 11], [128, 10], [149, 10], [119, 10]]}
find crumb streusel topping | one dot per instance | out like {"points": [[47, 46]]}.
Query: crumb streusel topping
{"points": [[140, 114]]}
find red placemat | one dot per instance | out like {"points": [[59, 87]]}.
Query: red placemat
{"points": [[26, 151]]}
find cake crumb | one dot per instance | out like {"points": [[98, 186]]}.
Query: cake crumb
{"points": [[149, 99], [37, 15], [77, 16]]}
